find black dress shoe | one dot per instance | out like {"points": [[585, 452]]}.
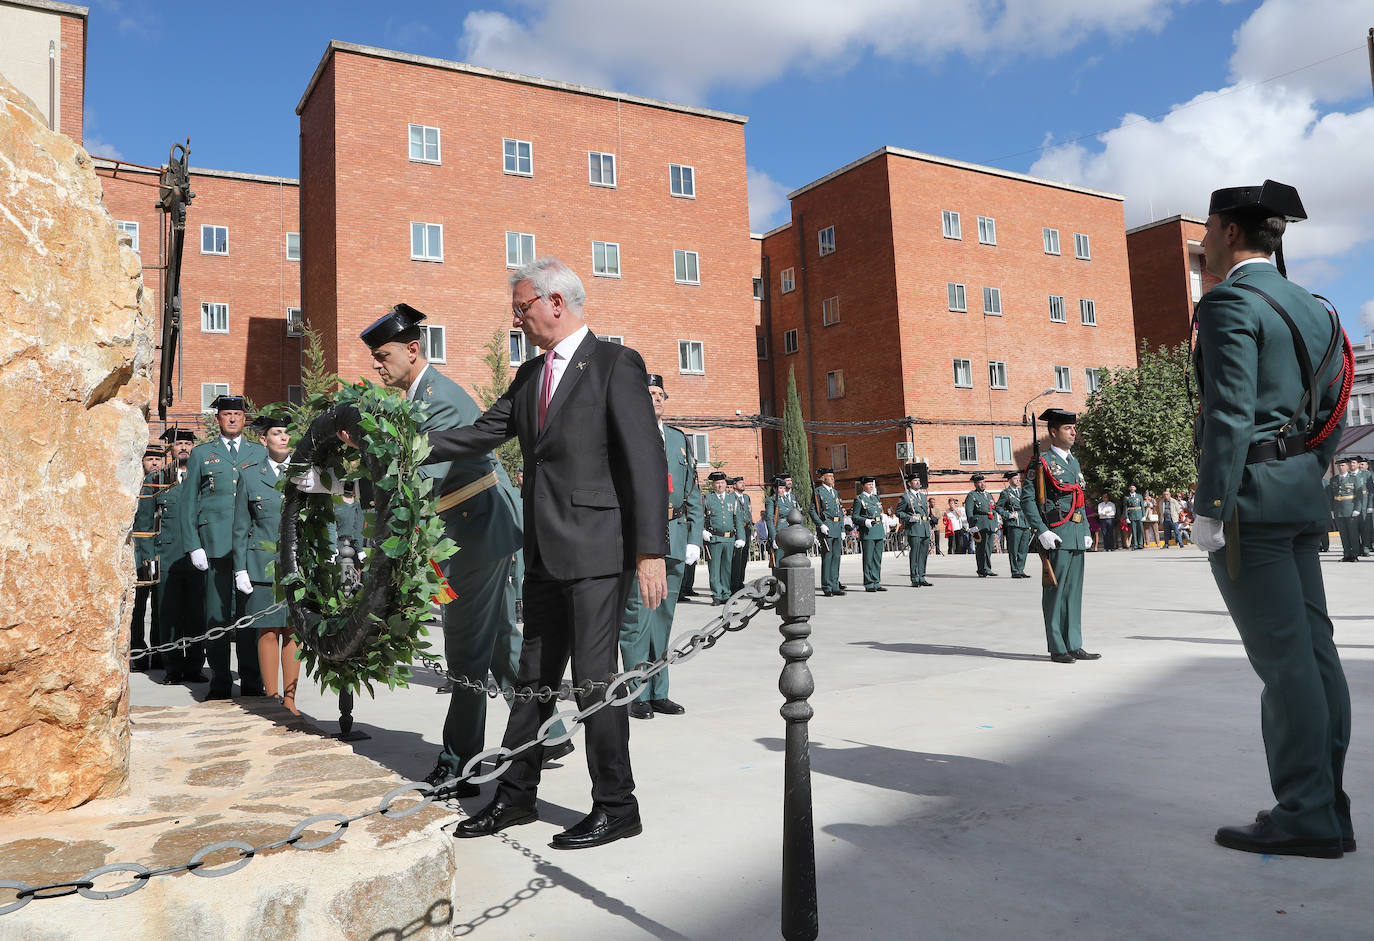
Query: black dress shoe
{"points": [[666, 706], [555, 752], [839, 591], [219, 694], [1264, 836], [493, 818], [1347, 842], [843, 587], [441, 774], [196, 677], [597, 829], [982, 574], [881, 588], [1081, 654], [870, 589], [926, 584], [993, 574], [828, 593], [1062, 658], [639, 709]]}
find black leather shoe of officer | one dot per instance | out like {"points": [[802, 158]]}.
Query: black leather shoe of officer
{"points": [[926, 584], [219, 694], [639, 709], [880, 588], [828, 592], [1347, 842], [1081, 654], [555, 752], [493, 818], [441, 774], [1062, 658], [597, 829], [994, 574], [666, 706], [843, 587], [1265, 836]]}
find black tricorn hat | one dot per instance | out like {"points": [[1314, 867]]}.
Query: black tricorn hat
{"points": [[780, 479], [1269, 199], [910, 473], [978, 476], [1058, 416], [1010, 474], [266, 421], [400, 324], [822, 471], [228, 403], [716, 475], [868, 480], [178, 434], [733, 480], [153, 450], [656, 380]]}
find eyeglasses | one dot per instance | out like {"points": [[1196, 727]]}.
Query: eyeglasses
{"points": [[521, 309]]}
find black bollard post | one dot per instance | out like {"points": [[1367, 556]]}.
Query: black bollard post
{"points": [[346, 730], [799, 908]]}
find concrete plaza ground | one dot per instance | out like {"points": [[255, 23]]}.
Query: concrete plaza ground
{"points": [[965, 787]]}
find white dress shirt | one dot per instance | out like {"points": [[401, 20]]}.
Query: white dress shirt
{"points": [[1247, 261], [562, 353], [415, 386]]}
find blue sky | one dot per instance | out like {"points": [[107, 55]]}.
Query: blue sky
{"points": [[1161, 100]]}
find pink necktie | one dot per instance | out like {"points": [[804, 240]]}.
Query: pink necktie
{"points": [[546, 392]]}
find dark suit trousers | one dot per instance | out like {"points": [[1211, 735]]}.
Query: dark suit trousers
{"points": [[578, 618], [222, 604], [143, 594]]}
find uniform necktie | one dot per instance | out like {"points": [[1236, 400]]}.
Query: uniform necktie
{"points": [[546, 392], [234, 447]]}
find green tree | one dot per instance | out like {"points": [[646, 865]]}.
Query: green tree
{"points": [[796, 450], [496, 357], [1137, 426]]}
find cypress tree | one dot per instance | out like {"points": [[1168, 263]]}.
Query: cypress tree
{"points": [[796, 451]]}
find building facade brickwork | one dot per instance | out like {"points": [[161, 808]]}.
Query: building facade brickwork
{"points": [[1168, 276]]}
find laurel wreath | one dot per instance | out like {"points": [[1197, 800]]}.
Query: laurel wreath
{"points": [[368, 629]]}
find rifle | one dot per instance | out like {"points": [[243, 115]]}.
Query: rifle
{"points": [[1046, 567], [773, 532]]}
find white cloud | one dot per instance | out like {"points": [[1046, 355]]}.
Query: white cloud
{"points": [[1289, 34], [768, 205], [1367, 315], [97, 147]]}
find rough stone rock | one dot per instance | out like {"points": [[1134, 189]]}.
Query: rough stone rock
{"points": [[75, 352]]}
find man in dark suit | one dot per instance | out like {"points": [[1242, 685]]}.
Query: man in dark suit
{"points": [[596, 507]]}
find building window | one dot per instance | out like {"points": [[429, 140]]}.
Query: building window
{"points": [[606, 259], [839, 456], [1001, 449], [519, 350], [1088, 311], [685, 267], [963, 374], [601, 168], [682, 181], [830, 311], [295, 395], [293, 246], [1051, 237], [132, 229], [209, 391], [214, 240], [826, 238], [788, 281], [1093, 383], [997, 374], [519, 249], [432, 339], [968, 449], [1057, 309], [789, 341], [758, 289], [701, 447], [214, 318], [517, 157], [613, 338], [295, 323], [426, 241], [1080, 246], [949, 222], [424, 143], [958, 300], [992, 302], [834, 384], [761, 343], [1195, 276], [987, 230], [691, 357], [1063, 382]]}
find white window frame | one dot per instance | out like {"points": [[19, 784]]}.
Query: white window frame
{"points": [[834, 384], [967, 366], [424, 143], [987, 230], [212, 230], [429, 230], [689, 259], [971, 441], [839, 456], [596, 175], [295, 322], [510, 156], [685, 349], [1050, 237], [992, 302], [1082, 248], [603, 270], [295, 395], [701, 454], [290, 237], [789, 342], [1057, 313], [124, 225], [682, 181], [830, 311], [1002, 452], [517, 347], [758, 289], [787, 280], [761, 346], [997, 374], [1091, 380], [209, 391], [1065, 373], [208, 315], [825, 241], [956, 295], [436, 342], [615, 338], [949, 224], [518, 241], [1087, 312]]}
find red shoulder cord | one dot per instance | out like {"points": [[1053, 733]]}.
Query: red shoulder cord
{"points": [[1075, 489], [1347, 380]]}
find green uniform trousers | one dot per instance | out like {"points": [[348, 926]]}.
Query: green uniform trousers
{"points": [[1062, 604], [181, 603], [983, 552], [722, 550], [1018, 546], [917, 553], [832, 548], [873, 561], [1137, 534], [1279, 606], [644, 634], [1366, 533], [1349, 528], [224, 605]]}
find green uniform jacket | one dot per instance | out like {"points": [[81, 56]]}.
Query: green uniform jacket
{"points": [[1135, 507], [827, 510], [785, 504], [170, 544], [257, 519], [1344, 494], [684, 493], [1009, 507], [723, 520], [1057, 503], [746, 508], [867, 506], [212, 479], [145, 518], [349, 521], [1247, 398], [1363, 480], [978, 509], [913, 509]]}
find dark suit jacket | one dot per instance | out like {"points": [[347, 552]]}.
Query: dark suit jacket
{"points": [[595, 492]]}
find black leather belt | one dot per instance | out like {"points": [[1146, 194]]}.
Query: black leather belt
{"points": [[675, 511], [1277, 449]]}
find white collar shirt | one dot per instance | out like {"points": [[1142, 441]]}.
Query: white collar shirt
{"points": [[415, 386], [1247, 261], [1063, 454], [231, 444], [561, 353]]}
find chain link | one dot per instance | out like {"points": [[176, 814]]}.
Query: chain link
{"points": [[212, 634], [759, 595]]}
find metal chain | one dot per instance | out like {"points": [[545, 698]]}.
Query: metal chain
{"points": [[212, 634], [759, 595]]}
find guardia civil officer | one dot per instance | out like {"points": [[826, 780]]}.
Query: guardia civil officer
{"points": [[781, 502], [1135, 516], [867, 511], [721, 534], [1345, 496], [181, 605], [1273, 368], [1060, 523], [145, 571], [827, 513], [1018, 534], [1367, 511], [913, 509], [746, 511], [207, 530], [982, 523]]}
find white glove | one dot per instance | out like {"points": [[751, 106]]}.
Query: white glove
{"points": [[825, 530], [739, 543], [242, 583], [868, 524], [199, 560], [362, 556], [1050, 540], [1370, 510], [1088, 541], [312, 481], [706, 535], [692, 556], [1208, 535]]}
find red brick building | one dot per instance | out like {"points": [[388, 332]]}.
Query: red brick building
{"points": [[427, 181], [1168, 276], [912, 285], [45, 58]]}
